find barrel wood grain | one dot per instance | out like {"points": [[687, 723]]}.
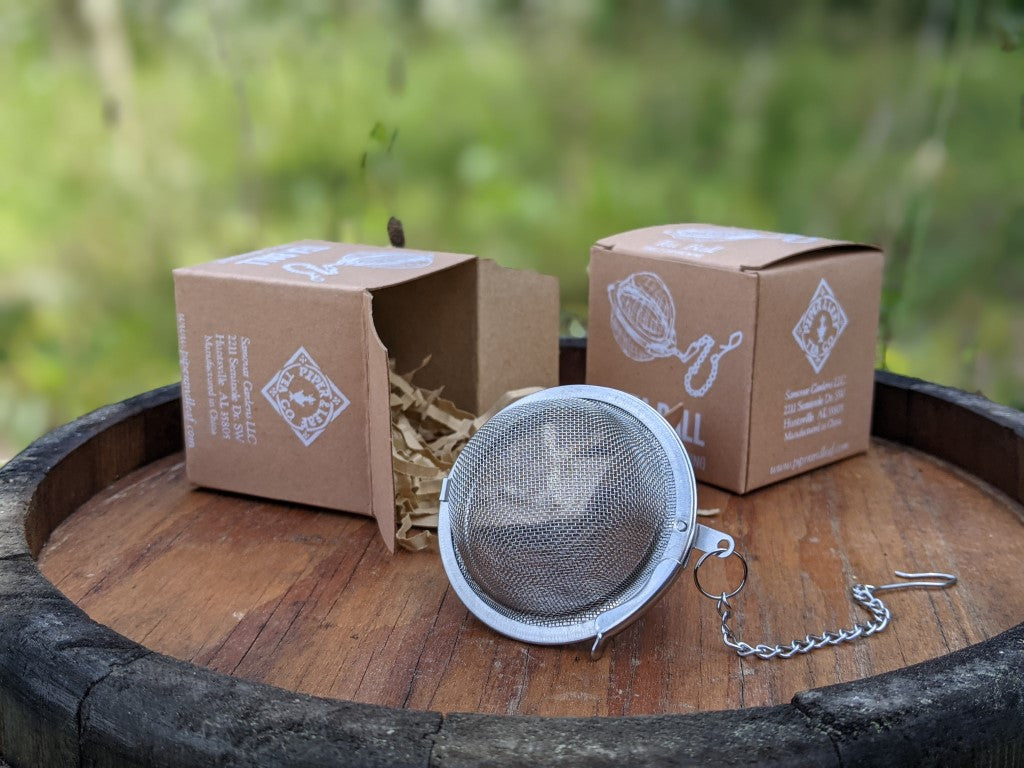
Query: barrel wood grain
{"points": [[311, 601]]}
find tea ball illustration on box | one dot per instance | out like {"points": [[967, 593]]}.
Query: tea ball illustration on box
{"points": [[643, 320]]}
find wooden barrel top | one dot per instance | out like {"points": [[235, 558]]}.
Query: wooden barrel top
{"points": [[312, 601], [189, 627]]}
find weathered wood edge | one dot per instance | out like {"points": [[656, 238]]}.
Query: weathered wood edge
{"points": [[73, 692]]}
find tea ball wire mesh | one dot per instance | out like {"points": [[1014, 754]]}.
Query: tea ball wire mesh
{"points": [[567, 514]]}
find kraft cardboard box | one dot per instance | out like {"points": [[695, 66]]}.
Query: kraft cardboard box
{"points": [[284, 361], [759, 346]]}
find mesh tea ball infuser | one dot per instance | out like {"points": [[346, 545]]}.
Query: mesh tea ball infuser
{"points": [[573, 509], [643, 322]]}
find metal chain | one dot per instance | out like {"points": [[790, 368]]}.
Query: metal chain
{"points": [[864, 594]]}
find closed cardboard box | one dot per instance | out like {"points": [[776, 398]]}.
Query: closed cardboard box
{"points": [[284, 361], [758, 346]]}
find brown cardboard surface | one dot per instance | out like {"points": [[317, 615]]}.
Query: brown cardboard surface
{"points": [[717, 246], [333, 265], [802, 417], [514, 331], [677, 306], [239, 337], [284, 358], [707, 308], [436, 316], [378, 397]]}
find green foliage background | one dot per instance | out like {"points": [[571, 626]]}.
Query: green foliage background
{"points": [[136, 137]]}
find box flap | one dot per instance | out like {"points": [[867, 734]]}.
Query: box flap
{"points": [[343, 266], [717, 246], [517, 331], [378, 429]]}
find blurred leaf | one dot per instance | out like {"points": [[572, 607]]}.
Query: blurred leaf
{"points": [[1008, 33]]}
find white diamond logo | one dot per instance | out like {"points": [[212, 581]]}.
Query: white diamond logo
{"points": [[305, 397], [820, 326]]}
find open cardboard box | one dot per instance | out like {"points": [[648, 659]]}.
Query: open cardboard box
{"points": [[758, 346], [284, 361]]}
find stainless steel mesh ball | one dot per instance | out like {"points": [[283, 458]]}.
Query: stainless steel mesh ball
{"points": [[567, 514]]}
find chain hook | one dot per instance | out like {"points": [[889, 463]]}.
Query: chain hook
{"points": [[947, 580], [864, 594]]}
